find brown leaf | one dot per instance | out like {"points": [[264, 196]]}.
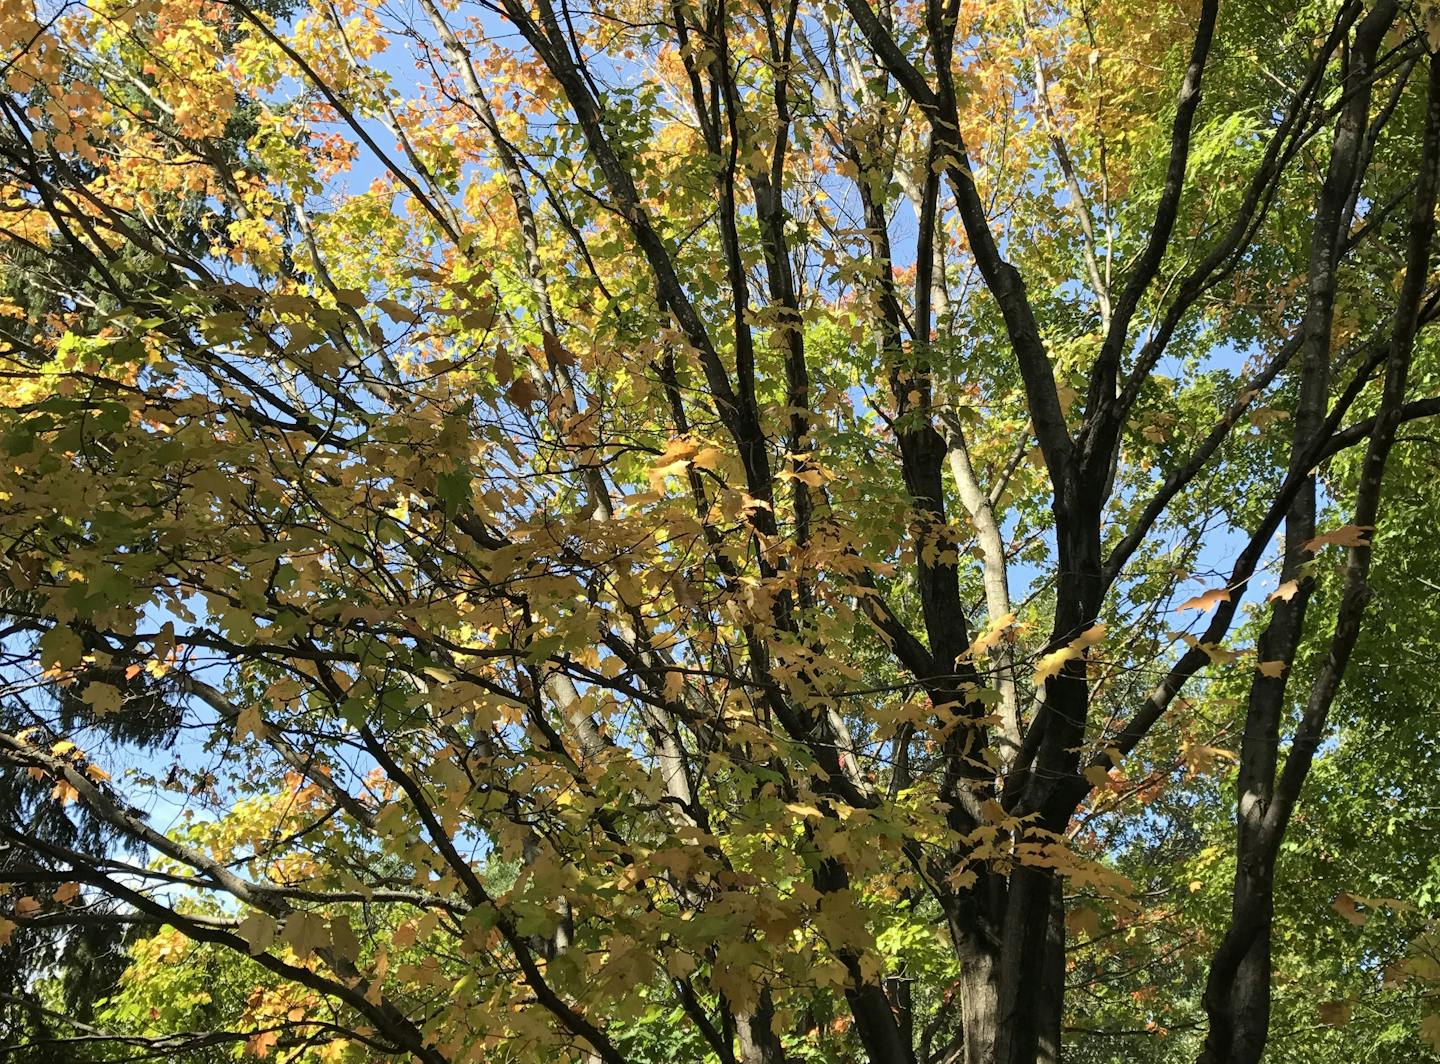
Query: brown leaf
{"points": [[556, 353], [1430, 1029], [397, 311], [523, 391]]}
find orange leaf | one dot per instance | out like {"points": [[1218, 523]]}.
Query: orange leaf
{"points": [[1206, 601], [260, 1043], [1344, 904], [67, 892]]}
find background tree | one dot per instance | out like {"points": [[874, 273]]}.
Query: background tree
{"points": [[685, 531]]}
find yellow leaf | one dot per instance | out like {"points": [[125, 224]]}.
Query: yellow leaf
{"points": [[962, 878], [997, 630], [103, 698], [504, 367], [343, 939], [679, 965], [1050, 664], [1272, 669], [1219, 654], [1097, 776]]}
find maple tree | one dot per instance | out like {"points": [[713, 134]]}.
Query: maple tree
{"points": [[711, 530]]}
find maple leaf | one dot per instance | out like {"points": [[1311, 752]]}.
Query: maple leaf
{"points": [[250, 721], [1050, 665], [258, 931], [397, 311], [1430, 1025], [1285, 592], [66, 893], [556, 353], [1205, 602], [305, 932], [103, 698], [523, 391], [260, 1043], [1346, 905], [1083, 920], [1344, 536]]}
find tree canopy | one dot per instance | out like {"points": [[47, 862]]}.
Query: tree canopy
{"points": [[711, 530]]}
